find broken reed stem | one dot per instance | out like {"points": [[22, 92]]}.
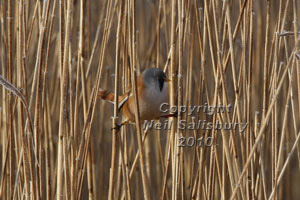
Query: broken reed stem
{"points": [[25, 153]]}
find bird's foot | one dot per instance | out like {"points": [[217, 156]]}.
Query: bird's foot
{"points": [[118, 126], [170, 115]]}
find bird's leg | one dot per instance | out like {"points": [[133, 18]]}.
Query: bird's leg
{"points": [[169, 115], [118, 126]]}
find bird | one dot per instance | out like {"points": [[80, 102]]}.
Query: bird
{"points": [[152, 90]]}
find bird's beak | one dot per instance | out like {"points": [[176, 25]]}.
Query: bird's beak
{"points": [[167, 80]]}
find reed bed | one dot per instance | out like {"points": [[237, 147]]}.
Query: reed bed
{"points": [[57, 140]]}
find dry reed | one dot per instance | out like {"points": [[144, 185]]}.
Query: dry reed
{"points": [[57, 140]]}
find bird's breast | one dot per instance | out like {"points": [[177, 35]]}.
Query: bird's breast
{"points": [[151, 100]]}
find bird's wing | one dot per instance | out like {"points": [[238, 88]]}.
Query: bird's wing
{"points": [[123, 99]]}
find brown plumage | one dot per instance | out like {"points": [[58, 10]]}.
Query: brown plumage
{"points": [[152, 89]]}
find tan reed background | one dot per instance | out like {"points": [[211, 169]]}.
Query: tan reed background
{"points": [[56, 138]]}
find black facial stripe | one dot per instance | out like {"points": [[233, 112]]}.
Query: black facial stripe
{"points": [[161, 84]]}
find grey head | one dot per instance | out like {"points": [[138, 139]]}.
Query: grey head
{"points": [[154, 76]]}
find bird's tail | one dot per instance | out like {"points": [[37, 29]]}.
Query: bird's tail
{"points": [[105, 95]]}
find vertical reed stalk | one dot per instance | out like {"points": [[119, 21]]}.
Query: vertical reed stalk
{"points": [[56, 140], [63, 99]]}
